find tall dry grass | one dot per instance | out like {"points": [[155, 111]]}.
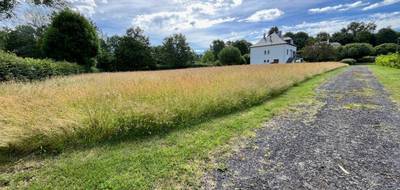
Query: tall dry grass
{"points": [[93, 107]]}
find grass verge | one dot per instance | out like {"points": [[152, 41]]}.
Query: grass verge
{"points": [[389, 77], [174, 160]]}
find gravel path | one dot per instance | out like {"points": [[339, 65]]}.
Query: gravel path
{"points": [[349, 139]]}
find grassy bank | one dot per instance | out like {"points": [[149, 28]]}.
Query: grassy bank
{"points": [[94, 107], [390, 78], [166, 161]]}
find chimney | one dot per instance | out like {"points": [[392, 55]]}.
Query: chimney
{"points": [[280, 34], [265, 36]]}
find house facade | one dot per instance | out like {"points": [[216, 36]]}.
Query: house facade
{"points": [[273, 49]]}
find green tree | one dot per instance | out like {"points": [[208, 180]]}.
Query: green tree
{"points": [[208, 57], [365, 37], [7, 6], [323, 37], [300, 39], [23, 41], [230, 56], [176, 51], [386, 48], [71, 37], [242, 45], [133, 53], [342, 37], [3, 38], [106, 58], [217, 46], [319, 52], [386, 35], [355, 50]]}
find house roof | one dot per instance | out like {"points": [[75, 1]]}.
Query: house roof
{"points": [[273, 39]]}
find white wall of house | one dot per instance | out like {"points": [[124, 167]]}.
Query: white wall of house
{"points": [[267, 54]]}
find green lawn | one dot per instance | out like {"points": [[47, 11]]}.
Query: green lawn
{"points": [[167, 161], [390, 78]]}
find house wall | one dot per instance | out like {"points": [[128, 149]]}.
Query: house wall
{"points": [[260, 54]]}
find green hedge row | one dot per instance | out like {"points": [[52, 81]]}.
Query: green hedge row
{"points": [[391, 60], [17, 68]]}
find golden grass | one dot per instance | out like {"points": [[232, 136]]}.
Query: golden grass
{"points": [[92, 107]]}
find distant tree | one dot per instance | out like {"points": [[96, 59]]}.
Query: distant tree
{"points": [[323, 37], [246, 57], [176, 51], [3, 38], [208, 57], [356, 27], [23, 41], [230, 56], [242, 45], [355, 50], [342, 37], [386, 48], [274, 29], [300, 39], [355, 32], [71, 37], [138, 34], [217, 46], [319, 52], [365, 37], [289, 34], [7, 6], [106, 57], [157, 54], [131, 54], [386, 35]]}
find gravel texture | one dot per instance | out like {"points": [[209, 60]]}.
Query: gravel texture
{"points": [[348, 139]]}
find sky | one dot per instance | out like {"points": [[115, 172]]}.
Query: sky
{"points": [[202, 21]]}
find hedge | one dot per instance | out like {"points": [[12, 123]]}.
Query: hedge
{"points": [[349, 61], [17, 68], [391, 60]]}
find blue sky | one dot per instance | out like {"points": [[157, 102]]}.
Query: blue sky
{"points": [[205, 20]]}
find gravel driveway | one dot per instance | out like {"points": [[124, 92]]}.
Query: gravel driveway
{"points": [[348, 139]]}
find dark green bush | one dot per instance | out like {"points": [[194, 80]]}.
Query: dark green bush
{"points": [[367, 59], [230, 56], [349, 61], [385, 49], [355, 50], [17, 68], [247, 58]]}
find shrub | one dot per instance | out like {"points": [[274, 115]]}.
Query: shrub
{"points": [[355, 50], [391, 60], [208, 57], [385, 49], [247, 58], [319, 52], [71, 37], [28, 69], [230, 56], [349, 61], [367, 59], [132, 54]]}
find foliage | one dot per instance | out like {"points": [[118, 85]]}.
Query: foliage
{"points": [[300, 39], [342, 37], [90, 108], [242, 45], [349, 61], [319, 52], [386, 48], [247, 58], [132, 54], [355, 50], [3, 38], [391, 60], [7, 6], [365, 37], [28, 69], [23, 41], [71, 37], [323, 37], [230, 56], [355, 32], [176, 52], [367, 59], [208, 57], [386, 35], [217, 46], [274, 29]]}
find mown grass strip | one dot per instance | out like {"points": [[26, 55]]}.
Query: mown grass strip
{"points": [[172, 160], [390, 78]]}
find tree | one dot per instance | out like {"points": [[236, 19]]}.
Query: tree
{"points": [[289, 34], [242, 45], [342, 37], [71, 37], [300, 39], [386, 35], [3, 39], [386, 48], [356, 27], [131, 54], [23, 41], [274, 29], [208, 57], [355, 50], [106, 58], [230, 56], [7, 6], [217, 46], [323, 37], [138, 34], [319, 52], [176, 51], [365, 37]]}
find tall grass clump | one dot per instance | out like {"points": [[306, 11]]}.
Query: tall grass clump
{"points": [[17, 68], [391, 60], [93, 107]]}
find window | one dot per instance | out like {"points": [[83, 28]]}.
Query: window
{"points": [[265, 52], [264, 61], [287, 52], [268, 61], [268, 52]]}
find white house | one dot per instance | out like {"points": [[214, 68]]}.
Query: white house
{"points": [[273, 49]]}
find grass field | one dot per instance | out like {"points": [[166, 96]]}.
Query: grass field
{"points": [[94, 107], [390, 78], [174, 160]]}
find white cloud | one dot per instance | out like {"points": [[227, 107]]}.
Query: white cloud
{"points": [[381, 4], [382, 20], [264, 15], [340, 7]]}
